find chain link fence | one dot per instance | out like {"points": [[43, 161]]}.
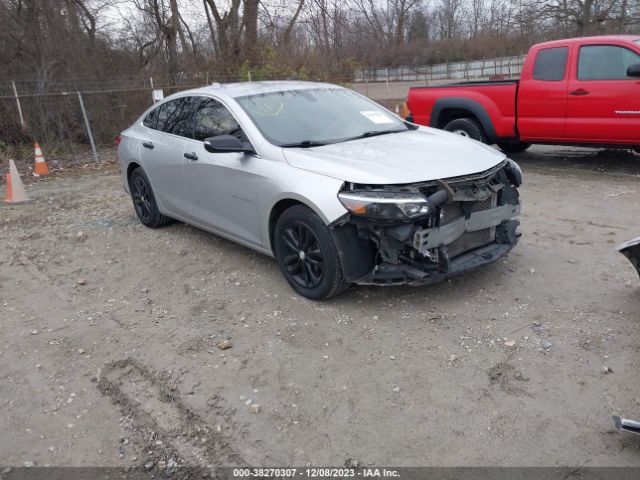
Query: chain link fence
{"points": [[65, 123], [81, 117], [84, 115]]}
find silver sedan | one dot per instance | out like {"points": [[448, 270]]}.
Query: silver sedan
{"points": [[338, 189]]}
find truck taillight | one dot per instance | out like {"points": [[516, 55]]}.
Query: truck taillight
{"points": [[403, 110]]}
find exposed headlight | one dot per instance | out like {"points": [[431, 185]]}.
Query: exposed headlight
{"points": [[514, 172], [386, 205]]}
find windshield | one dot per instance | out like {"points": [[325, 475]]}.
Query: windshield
{"points": [[312, 117]]}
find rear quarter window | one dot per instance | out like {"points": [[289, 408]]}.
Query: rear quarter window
{"points": [[550, 64], [151, 119]]}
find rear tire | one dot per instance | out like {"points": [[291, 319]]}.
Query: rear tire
{"points": [[513, 147], [307, 255], [144, 202], [467, 127]]}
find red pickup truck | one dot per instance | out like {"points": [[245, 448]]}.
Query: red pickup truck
{"points": [[581, 91]]}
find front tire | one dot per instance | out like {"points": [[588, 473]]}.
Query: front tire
{"points": [[307, 255], [144, 202], [467, 127], [513, 147]]}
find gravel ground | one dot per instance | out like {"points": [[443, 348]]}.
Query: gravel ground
{"points": [[111, 334]]}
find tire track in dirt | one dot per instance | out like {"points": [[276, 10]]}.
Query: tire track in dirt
{"points": [[166, 427]]}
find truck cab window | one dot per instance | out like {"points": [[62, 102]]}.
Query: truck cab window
{"points": [[551, 64], [605, 62]]}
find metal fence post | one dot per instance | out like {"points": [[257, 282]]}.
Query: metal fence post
{"points": [[15, 93], [387, 81], [86, 123]]}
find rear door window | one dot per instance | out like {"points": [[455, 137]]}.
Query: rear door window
{"points": [[605, 62], [176, 116], [213, 119], [551, 64]]}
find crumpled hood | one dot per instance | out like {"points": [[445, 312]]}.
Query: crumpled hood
{"points": [[415, 156]]}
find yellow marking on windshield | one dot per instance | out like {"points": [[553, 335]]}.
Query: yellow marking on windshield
{"points": [[267, 107]]}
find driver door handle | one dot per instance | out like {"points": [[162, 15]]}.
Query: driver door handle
{"points": [[191, 156], [579, 92]]}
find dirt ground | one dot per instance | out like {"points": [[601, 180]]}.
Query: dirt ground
{"points": [[109, 333]]}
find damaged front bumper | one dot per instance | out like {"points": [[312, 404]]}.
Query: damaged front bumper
{"points": [[408, 275], [631, 250], [475, 226], [399, 274]]}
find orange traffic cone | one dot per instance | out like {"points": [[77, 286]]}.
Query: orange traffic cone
{"points": [[15, 189], [41, 167]]}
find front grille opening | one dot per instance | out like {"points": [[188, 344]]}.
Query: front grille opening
{"points": [[468, 240]]}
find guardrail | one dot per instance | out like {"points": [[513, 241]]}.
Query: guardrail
{"points": [[502, 67]]}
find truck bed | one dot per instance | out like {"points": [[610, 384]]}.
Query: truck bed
{"points": [[498, 97], [474, 83]]}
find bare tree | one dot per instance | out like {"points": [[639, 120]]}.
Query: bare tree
{"points": [[584, 16], [228, 31], [448, 14], [53, 39], [286, 37], [250, 20], [165, 18], [388, 22]]}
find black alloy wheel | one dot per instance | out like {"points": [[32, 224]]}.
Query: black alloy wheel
{"points": [[144, 201], [303, 256], [306, 253], [140, 196]]}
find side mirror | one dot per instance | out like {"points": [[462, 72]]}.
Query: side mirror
{"points": [[633, 70], [227, 144]]}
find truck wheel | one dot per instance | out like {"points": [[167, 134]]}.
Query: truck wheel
{"points": [[466, 127], [513, 147]]}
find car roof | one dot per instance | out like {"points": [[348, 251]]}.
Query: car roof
{"points": [[241, 89], [599, 39]]}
